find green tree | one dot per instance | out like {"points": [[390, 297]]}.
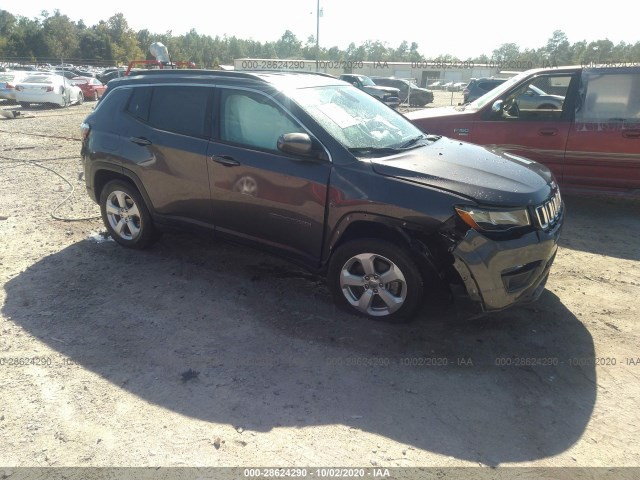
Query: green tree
{"points": [[507, 52], [289, 46], [60, 36], [558, 49]]}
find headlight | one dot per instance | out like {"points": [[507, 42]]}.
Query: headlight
{"points": [[493, 220]]}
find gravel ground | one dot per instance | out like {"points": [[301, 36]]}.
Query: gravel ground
{"points": [[200, 353]]}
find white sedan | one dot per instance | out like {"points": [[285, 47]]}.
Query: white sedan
{"points": [[49, 89]]}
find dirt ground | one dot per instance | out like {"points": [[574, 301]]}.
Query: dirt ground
{"points": [[201, 353]]}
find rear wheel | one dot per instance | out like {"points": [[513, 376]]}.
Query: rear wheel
{"points": [[80, 98], [95, 96], [126, 216], [377, 279]]}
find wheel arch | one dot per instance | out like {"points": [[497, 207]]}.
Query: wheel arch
{"points": [[417, 241], [104, 175]]}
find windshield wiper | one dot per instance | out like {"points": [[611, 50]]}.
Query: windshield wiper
{"points": [[412, 141], [408, 145], [374, 150]]}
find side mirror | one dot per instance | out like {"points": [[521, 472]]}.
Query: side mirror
{"points": [[295, 143], [497, 106]]}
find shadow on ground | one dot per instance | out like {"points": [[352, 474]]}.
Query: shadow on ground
{"points": [[272, 351], [593, 225]]}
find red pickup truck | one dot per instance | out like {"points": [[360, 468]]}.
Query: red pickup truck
{"points": [[589, 136]]}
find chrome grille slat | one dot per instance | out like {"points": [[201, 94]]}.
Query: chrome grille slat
{"points": [[548, 213]]}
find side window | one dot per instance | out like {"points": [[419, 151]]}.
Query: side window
{"points": [[540, 98], [610, 97], [253, 120], [180, 109], [139, 103]]}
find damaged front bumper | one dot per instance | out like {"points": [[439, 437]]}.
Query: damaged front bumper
{"points": [[502, 273]]}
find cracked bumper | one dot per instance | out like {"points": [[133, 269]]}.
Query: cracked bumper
{"points": [[499, 274]]}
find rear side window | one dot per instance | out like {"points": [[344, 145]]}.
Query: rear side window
{"points": [[610, 97], [177, 109], [486, 86], [139, 103]]}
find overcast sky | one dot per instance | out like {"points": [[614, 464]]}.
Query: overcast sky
{"points": [[460, 27]]}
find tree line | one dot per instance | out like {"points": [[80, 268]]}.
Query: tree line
{"points": [[53, 37]]}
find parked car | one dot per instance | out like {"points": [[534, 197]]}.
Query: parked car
{"points": [[8, 82], [111, 73], [458, 86], [435, 85], [583, 123], [417, 97], [479, 86], [47, 88], [317, 170], [388, 95], [92, 88]]}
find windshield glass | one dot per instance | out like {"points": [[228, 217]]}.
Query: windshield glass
{"points": [[367, 81], [356, 119], [496, 92]]}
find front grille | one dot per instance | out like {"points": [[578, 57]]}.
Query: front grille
{"points": [[548, 214]]}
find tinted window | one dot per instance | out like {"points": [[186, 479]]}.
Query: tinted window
{"points": [[254, 120], [486, 86], [139, 103], [180, 109]]}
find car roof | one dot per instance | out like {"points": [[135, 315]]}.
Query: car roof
{"points": [[280, 80]]}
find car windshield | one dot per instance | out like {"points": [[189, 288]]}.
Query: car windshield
{"points": [[496, 92], [366, 81], [356, 119]]}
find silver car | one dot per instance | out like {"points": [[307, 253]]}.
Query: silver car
{"points": [[8, 81], [534, 98]]}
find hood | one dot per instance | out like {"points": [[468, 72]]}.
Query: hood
{"points": [[487, 175]]}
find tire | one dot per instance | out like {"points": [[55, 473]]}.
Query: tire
{"points": [[126, 216], [80, 98], [95, 96], [356, 279]]}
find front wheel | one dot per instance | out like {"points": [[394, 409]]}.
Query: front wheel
{"points": [[377, 279], [126, 216]]}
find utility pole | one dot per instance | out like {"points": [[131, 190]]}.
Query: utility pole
{"points": [[317, 34]]}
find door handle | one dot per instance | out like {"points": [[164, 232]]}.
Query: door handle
{"points": [[225, 160], [140, 141], [631, 134], [548, 132]]}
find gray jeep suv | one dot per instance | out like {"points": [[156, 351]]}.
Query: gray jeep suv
{"points": [[322, 173]]}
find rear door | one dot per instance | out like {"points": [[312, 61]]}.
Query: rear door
{"points": [[603, 150], [259, 193], [166, 134]]}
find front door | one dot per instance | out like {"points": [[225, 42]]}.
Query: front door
{"points": [[258, 192]]}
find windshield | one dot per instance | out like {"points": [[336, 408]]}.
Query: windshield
{"points": [[356, 119], [496, 92], [367, 81]]}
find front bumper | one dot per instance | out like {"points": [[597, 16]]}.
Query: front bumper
{"points": [[499, 274]]}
